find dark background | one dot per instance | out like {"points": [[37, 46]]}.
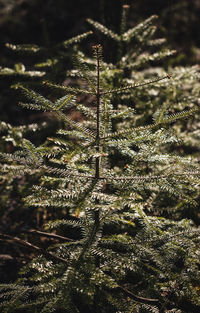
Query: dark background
{"points": [[48, 22], [21, 20]]}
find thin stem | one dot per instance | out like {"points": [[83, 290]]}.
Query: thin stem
{"points": [[37, 249], [98, 101], [129, 87], [49, 235], [123, 26], [138, 298]]}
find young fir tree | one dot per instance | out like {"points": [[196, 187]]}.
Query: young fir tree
{"points": [[135, 46], [137, 56], [108, 254]]}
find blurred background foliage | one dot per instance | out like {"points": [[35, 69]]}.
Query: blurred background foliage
{"points": [[49, 22], [21, 20]]}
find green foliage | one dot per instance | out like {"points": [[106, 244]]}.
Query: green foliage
{"points": [[120, 250], [139, 56], [53, 58], [113, 183], [50, 62]]}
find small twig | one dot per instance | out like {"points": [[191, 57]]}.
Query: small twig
{"points": [[32, 247], [138, 298], [128, 87], [50, 235]]}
